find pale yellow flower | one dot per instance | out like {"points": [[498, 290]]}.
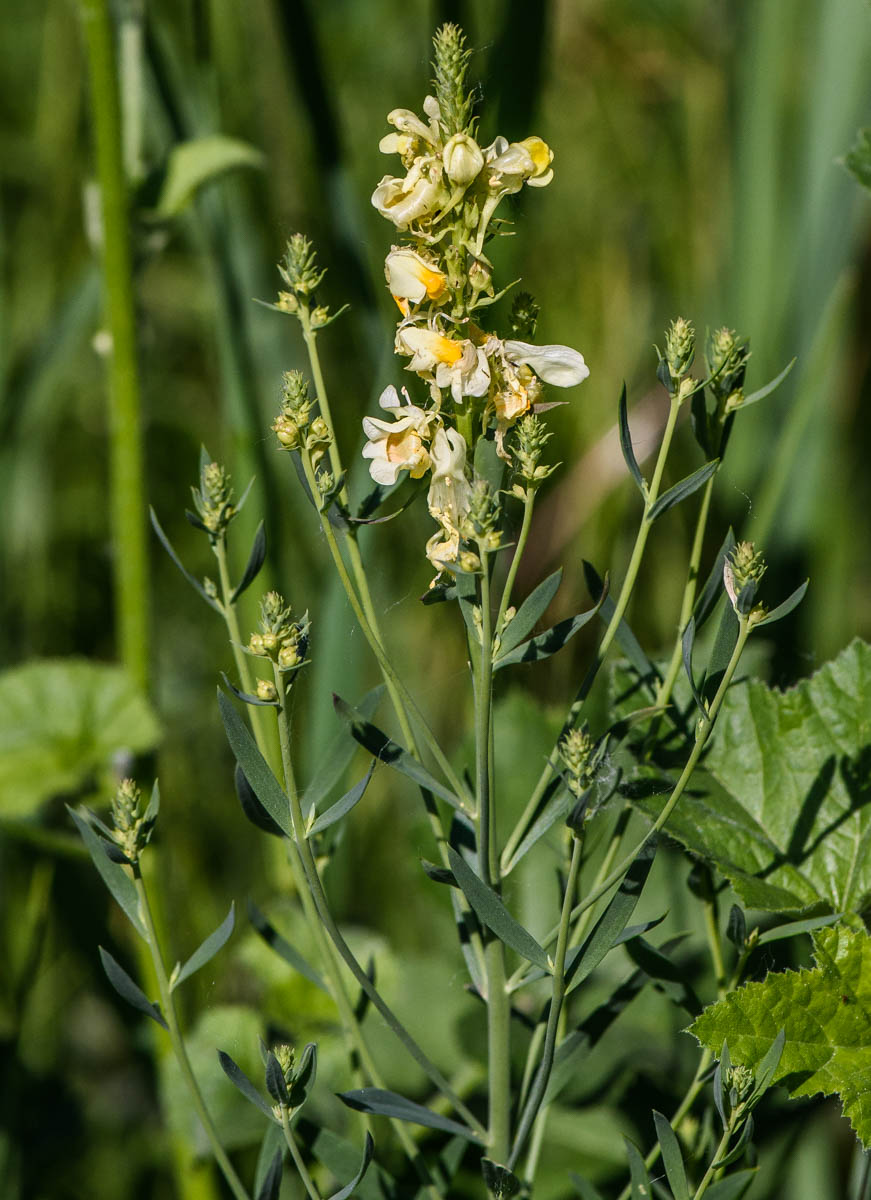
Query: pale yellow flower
{"points": [[559, 365], [449, 494], [397, 445], [453, 363], [411, 277], [418, 195], [462, 159], [510, 165]]}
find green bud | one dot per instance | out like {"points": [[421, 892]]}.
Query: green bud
{"points": [[530, 437], [742, 572], [576, 749], [266, 690], [482, 520], [450, 67], [726, 355], [213, 499], [132, 828], [299, 268], [680, 347]]}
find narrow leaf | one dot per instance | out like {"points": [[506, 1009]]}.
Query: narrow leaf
{"points": [[687, 642], [794, 928], [128, 990], [626, 443], [304, 1079], [338, 810], [584, 1189], [251, 806], [192, 579], [390, 1104], [210, 947], [555, 809], [275, 1082], [338, 754], [733, 1187], [194, 163], [682, 490], [713, 589], [604, 934], [784, 609], [266, 787], [271, 1186], [255, 561], [271, 1142], [638, 1177], [387, 751], [238, 1077], [282, 947], [348, 1190], [672, 1159], [767, 1069], [113, 874], [248, 697], [546, 644], [466, 923], [769, 387], [532, 608], [491, 911]]}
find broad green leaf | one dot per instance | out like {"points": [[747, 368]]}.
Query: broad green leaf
{"points": [[785, 814], [858, 160], [113, 874], [194, 163], [62, 722], [532, 608], [129, 990], [349, 1189], [672, 1159], [210, 947], [387, 751], [682, 490], [491, 911], [626, 443], [390, 1104], [825, 1014], [255, 767]]}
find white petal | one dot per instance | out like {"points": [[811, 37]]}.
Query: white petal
{"points": [[389, 398], [559, 365]]}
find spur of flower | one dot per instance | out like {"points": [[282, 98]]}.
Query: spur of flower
{"points": [[397, 445]]}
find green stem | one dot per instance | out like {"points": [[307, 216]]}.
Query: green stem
{"points": [[703, 731], [651, 496], [168, 1004], [302, 1170], [719, 1153], [528, 504], [127, 490], [539, 1087]]}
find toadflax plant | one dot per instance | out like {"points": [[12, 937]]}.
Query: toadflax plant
{"points": [[765, 790]]}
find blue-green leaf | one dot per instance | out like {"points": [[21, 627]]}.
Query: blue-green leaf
{"points": [[626, 443], [128, 990], [530, 611], [210, 947], [192, 579], [390, 1104], [672, 1159], [769, 387], [683, 489], [784, 609], [113, 874], [338, 754], [282, 947], [255, 767], [547, 643], [733, 1187], [238, 1077], [271, 1186], [255, 561], [491, 911], [338, 810], [638, 1178], [348, 1191]]}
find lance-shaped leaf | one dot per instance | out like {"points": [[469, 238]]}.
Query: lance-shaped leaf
{"points": [[282, 947], [795, 928], [338, 755], [545, 644], [672, 1159], [626, 639], [784, 812], [556, 808], [687, 642], [391, 1104], [530, 611], [238, 1077], [387, 751], [490, 910], [626, 443], [275, 1082], [713, 589], [733, 1187], [304, 1077], [348, 1190], [271, 1185], [656, 963], [342, 1157], [762, 392], [113, 874], [342, 807], [639, 1180], [784, 609], [249, 697], [194, 163], [605, 933], [825, 1014], [251, 806], [584, 1188], [682, 490], [192, 579], [207, 951], [266, 787], [256, 559], [128, 990]]}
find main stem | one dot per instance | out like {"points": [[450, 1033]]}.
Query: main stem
{"points": [[168, 1004], [127, 490]]}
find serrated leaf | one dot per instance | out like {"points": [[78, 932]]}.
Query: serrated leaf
{"points": [[733, 1187], [626, 443], [391, 1104], [348, 1191], [682, 490], [197, 162], [387, 751], [128, 990], [112, 873], [256, 559], [672, 1159], [238, 1077], [786, 815], [257, 772], [271, 1186], [784, 609], [342, 807], [490, 910], [192, 579], [530, 611], [283, 948], [825, 1014], [210, 947]]}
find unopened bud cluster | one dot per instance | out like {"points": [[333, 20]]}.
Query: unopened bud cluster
{"points": [[291, 424], [742, 571], [727, 356], [481, 523], [213, 499], [576, 749], [530, 437], [680, 347], [132, 827], [281, 639], [299, 270]]}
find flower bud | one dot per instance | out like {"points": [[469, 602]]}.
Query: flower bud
{"points": [[462, 159], [320, 431], [287, 431], [742, 571], [299, 268], [680, 347], [266, 690]]}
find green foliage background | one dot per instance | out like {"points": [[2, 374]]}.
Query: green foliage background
{"points": [[695, 173]]}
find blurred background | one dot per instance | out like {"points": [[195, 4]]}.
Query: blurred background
{"points": [[697, 147]]}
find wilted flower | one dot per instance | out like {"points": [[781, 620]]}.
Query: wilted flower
{"points": [[449, 494], [418, 195], [397, 445]]}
